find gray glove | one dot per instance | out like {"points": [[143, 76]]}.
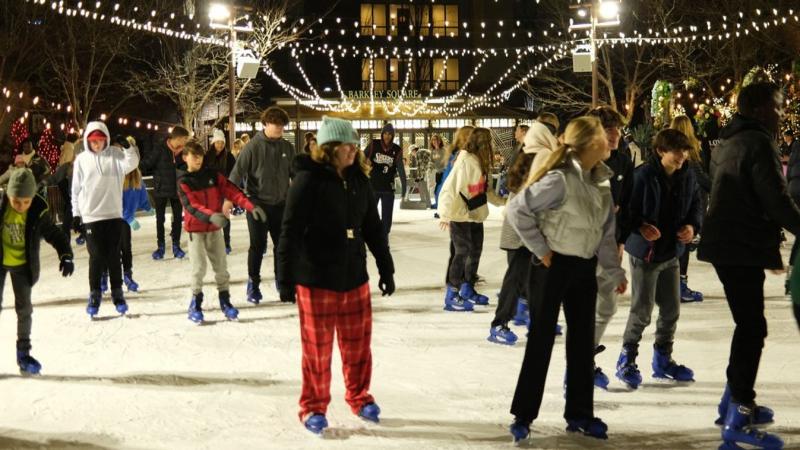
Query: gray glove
{"points": [[219, 220], [259, 214]]}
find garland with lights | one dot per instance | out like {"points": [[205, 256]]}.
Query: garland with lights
{"points": [[48, 149]]}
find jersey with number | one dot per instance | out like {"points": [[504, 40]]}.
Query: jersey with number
{"points": [[384, 165]]}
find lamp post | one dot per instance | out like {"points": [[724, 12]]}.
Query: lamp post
{"points": [[597, 9]]}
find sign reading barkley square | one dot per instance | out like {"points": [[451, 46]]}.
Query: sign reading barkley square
{"points": [[392, 93]]}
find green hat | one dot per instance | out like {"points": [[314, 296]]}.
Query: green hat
{"points": [[21, 184], [336, 130]]}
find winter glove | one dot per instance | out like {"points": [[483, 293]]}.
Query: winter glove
{"points": [[259, 214], [219, 220], [135, 225], [287, 293], [77, 223], [386, 285], [122, 142], [66, 267]]}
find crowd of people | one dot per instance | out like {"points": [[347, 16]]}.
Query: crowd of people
{"points": [[575, 201]]}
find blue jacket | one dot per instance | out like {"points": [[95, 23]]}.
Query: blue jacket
{"points": [[645, 205], [132, 201]]}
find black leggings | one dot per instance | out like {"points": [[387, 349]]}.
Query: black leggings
{"points": [[103, 239], [515, 285]]}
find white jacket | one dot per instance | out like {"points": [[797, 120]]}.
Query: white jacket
{"points": [[465, 179], [97, 178]]}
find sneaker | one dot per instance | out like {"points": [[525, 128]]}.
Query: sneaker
{"points": [[225, 305], [104, 283], [119, 301], [316, 423], [93, 307], [129, 283], [28, 365], [523, 315], [159, 253], [467, 292], [761, 414], [520, 430], [593, 427], [688, 295], [253, 292], [627, 370], [177, 251], [666, 368], [738, 429], [370, 412], [196, 308], [454, 302], [501, 334]]}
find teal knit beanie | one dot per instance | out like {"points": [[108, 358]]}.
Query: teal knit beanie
{"points": [[336, 130]]}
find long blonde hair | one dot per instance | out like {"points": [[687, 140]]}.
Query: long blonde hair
{"points": [[480, 145], [459, 142], [579, 135], [133, 180], [684, 125]]}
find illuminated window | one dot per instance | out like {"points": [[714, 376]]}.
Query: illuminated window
{"points": [[444, 19], [373, 19], [386, 74], [449, 77]]}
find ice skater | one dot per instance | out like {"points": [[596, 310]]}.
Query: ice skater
{"points": [[97, 180], [203, 191], [26, 222], [749, 205], [134, 198], [665, 214], [386, 161], [330, 215], [566, 219], [223, 161]]}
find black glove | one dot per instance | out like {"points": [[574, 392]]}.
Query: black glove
{"points": [[121, 141], [77, 223], [386, 285], [287, 293], [67, 266]]}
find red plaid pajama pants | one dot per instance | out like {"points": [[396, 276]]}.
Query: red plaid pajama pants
{"points": [[349, 314]]}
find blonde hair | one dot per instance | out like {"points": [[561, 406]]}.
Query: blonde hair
{"points": [[133, 180], [684, 125], [578, 136], [323, 154], [237, 146], [480, 145], [67, 153], [245, 138], [459, 142]]}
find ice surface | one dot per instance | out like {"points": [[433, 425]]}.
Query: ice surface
{"points": [[155, 380]]}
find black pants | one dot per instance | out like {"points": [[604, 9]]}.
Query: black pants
{"points": [[683, 260], [226, 234], [103, 240], [467, 239], [515, 285], [177, 219], [386, 200], [21, 283], [258, 239], [126, 251], [573, 281], [744, 289]]}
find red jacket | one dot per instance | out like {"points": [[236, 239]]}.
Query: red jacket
{"points": [[202, 194]]}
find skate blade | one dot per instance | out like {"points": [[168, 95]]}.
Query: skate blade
{"points": [[668, 380], [26, 374], [451, 309]]}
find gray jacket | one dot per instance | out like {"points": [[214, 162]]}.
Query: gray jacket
{"points": [[265, 167], [569, 212]]}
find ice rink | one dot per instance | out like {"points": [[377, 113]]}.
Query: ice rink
{"points": [[154, 380]]}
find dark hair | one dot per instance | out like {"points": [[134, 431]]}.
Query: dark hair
{"points": [[670, 140], [193, 147], [754, 96], [274, 115], [608, 116], [72, 137], [788, 133], [519, 171], [309, 137], [523, 126], [178, 132]]}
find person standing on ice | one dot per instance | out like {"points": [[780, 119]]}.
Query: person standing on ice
{"points": [[566, 219], [222, 161], [749, 205], [386, 161], [265, 167], [97, 180], [330, 215], [25, 222], [165, 161], [462, 210], [203, 192], [666, 213]]}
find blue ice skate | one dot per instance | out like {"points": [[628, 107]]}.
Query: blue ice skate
{"points": [[253, 292], [159, 253], [467, 292], [520, 430], [228, 249], [80, 240], [688, 295], [522, 317], [600, 378], [454, 302], [559, 330], [225, 305], [28, 365], [93, 307], [119, 301], [593, 427], [132, 285], [501, 334], [667, 369], [177, 251], [762, 415], [739, 430], [316, 423], [370, 412], [196, 308], [627, 370]]}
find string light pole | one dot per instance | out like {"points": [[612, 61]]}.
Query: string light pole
{"points": [[595, 10]]}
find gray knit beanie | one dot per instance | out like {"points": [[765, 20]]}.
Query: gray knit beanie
{"points": [[21, 184], [336, 130]]}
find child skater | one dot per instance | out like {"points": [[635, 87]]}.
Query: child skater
{"points": [[26, 221], [462, 208], [202, 191], [134, 198], [665, 215], [330, 215], [97, 179], [566, 219]]}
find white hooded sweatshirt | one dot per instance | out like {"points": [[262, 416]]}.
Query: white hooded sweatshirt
{"points": [[97, 178]]}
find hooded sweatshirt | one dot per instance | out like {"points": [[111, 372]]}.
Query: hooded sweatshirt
{"points": [[539, 140], [265, 166], [97, 178], [386, 161]]}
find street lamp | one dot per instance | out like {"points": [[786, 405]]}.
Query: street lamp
{"points": [[608, 10]]}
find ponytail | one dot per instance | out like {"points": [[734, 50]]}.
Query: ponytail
{"points": [[553, 160]]}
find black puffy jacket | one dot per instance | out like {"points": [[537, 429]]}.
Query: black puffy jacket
{"points": [[37, 226], [749, 200], [164, 167], [621, 189], [326, 224]]}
